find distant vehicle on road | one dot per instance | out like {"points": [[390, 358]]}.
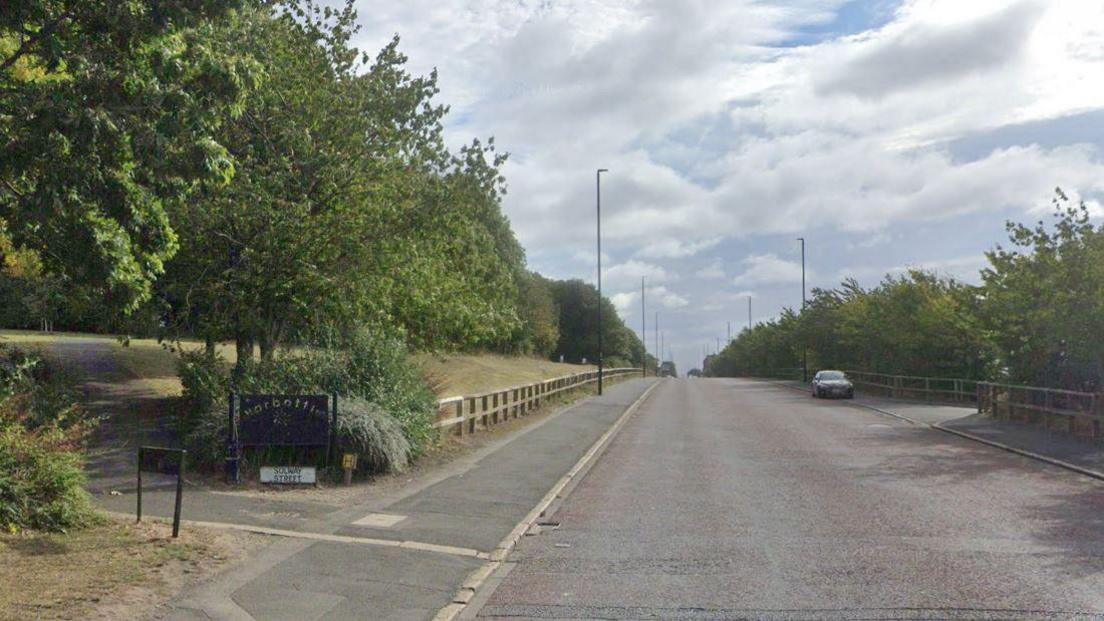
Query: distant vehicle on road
{"points": [[832, 384], [667, 369]]}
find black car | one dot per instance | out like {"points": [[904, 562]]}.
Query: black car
{"points": [[832, 384]]}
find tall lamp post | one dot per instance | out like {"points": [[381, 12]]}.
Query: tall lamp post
{"points": [[643, 332], [804, 346], [598, 189]]}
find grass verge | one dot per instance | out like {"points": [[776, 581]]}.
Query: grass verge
{"points": [[114, 570], [465, 374]]}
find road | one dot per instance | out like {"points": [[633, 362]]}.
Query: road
{"points": [[736, 499]]}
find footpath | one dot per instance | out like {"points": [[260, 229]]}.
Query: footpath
{"points": [[408, 555], [1055, 447]]}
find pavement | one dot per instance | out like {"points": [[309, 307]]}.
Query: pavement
{"points": [[401, 556], [736, 499]]}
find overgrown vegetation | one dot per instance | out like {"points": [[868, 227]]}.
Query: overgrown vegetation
{"points": [[1036, 318], [367, 370], [41, 436]]}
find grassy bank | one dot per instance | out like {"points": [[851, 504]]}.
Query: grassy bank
{"points": [[464, 374], [106, 359]]}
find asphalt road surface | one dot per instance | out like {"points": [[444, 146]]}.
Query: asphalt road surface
{"points": [[732, 499]]}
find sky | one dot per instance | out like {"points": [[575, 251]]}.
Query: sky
{"points": [[888, 133]]}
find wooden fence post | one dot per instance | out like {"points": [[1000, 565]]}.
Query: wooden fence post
{"points": [[460, 416]]}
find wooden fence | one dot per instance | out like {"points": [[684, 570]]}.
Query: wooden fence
{"points": [[1078, 413], [940, 389], [461, 415]]}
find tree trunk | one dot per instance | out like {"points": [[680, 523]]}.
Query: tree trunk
{"points": [[268, 346], [209, 345], [243, 344]]}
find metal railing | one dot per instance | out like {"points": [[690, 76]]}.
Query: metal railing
{"points": [[463, 414], [941, 389], [1070, 411]]}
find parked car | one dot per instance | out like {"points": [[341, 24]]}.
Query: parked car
{"points": [[832, 384]]}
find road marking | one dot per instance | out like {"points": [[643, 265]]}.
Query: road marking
{"points": [[380, 520], [477, 578], [295, 534]]}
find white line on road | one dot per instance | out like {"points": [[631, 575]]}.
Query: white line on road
{"points": [[479, 576]]}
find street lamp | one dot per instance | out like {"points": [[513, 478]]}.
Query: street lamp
{"points": [[643, 332], [804, 345], [598, 179]]}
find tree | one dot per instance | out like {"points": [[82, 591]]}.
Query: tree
{"points": [[1043, 300], [106, 115], [346, 208], [540, 315], [578, 305]]}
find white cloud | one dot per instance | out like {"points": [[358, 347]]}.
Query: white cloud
{"points": [[713, 271], [667, 298], [768, 269], [713, 133], [964, 268], [629, 273], [623, 302], [675, 249]]}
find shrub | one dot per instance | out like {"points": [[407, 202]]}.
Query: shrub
{"points": [[361, 367], [41, 435], [205, 382], [366, 429], [41, 482]]}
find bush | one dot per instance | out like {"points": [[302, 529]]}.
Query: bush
{"points": [[360, 367], [204, 379], [41, 435], [366, 429], [41, 481]]}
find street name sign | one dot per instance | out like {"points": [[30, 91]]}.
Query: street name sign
{"points": [[293, 475]]}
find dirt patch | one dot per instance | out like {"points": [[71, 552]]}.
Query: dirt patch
{"points": [[118, 570]]}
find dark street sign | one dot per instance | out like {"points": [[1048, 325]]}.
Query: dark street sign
{"points": [[284, 420], [159, 460]]}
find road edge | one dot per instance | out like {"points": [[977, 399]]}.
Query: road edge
{"points": [[479, 577], [1088, 472]]}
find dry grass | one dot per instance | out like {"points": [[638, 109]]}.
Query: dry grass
{"points": [[465, 374], [154, 367], [116, 570], [142, 360]]}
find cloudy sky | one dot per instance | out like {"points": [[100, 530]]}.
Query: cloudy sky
{"points": [[888, 133]]}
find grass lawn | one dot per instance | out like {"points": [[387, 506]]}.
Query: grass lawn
{"points": [[464, 374], [115, 570]]}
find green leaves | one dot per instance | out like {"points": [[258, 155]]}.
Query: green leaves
{"points": [[106, 119]]}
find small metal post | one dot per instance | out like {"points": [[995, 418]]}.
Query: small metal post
{"points": [[233, 451], [331, 441], [139, 485], [179, 494]]}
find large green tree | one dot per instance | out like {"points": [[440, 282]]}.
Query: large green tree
{"points": [[346, 207], [1043, 300], [106, 113]]}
